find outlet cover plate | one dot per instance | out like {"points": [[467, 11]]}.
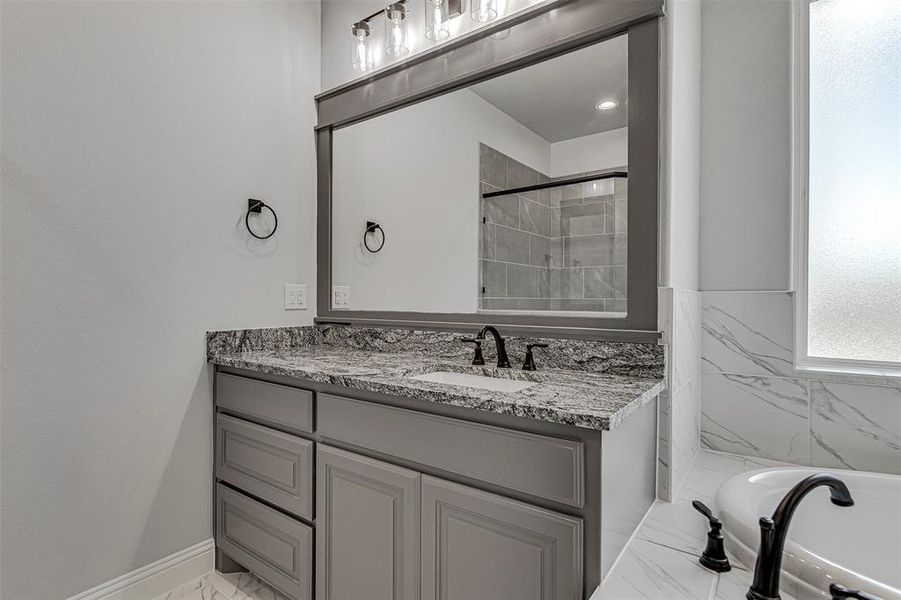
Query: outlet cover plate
{"points": [[340, 297], [295, 296]]}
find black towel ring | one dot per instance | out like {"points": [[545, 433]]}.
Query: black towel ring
{"points": [[371, 227], [257, 206]]}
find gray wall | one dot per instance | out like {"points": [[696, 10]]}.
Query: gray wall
{"points": [[133, 133], [745, 144]]}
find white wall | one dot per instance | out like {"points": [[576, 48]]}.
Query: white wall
{"points": [[133, 133], [416, 172], [745, 145], [338, 15], [604, 150], [679, 301]]}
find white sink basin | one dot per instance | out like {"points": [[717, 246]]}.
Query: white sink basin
{"points": [[495, 384]]}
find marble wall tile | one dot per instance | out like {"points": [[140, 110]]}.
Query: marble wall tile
{"points": [[492, 166], [503, 210], [523, 281], [686, 336], [748, 333], [494, 278], [665, 489], [685, 429], [587, 219], [568, 283], [600, 282], [512, 246], [855, 427], [756, 416], [488, 241], [534, 217], [539, 251], [589, 250]]}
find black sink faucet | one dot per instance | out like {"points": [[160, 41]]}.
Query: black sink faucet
{"points": [[502, 361], [773, 531]]}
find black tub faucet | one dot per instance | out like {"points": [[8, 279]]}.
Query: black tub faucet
{"points": [[714, 555], [502, 361], [773, 531], [839, 592]]}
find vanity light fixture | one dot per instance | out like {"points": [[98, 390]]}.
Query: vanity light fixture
{"points": [[606, 105], [484, 11], [436, 18], [361, 52], [396, 30]]}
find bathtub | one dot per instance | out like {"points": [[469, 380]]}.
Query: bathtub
{"points": [[859, 547]]}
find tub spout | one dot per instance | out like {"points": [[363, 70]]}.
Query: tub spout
{"points": [[773, 532]]}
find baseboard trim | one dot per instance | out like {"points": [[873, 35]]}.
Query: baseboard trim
{"points": [[158, 577]]}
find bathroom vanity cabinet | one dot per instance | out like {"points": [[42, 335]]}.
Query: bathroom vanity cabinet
{"points": [[346, 493]]}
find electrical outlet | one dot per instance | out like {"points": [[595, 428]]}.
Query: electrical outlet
{"points": [[295, 296], [340, 297]]}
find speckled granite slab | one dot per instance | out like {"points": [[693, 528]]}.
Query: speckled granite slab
{"points": [[385, 362], [619, 358]]}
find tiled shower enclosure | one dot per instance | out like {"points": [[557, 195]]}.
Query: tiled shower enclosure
{"points": [[561, 248]]}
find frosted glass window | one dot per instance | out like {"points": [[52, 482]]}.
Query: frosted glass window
{"points": [[854, 238]]}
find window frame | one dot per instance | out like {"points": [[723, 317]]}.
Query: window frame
{"points": [[800, 154]]}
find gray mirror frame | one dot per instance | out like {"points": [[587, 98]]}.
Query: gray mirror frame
{"points": [[536, 35]]}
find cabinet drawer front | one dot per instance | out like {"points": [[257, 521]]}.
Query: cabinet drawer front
{"points": [[542, 466], [275, 466], [481, 545], [274, 546], [283, 406]]}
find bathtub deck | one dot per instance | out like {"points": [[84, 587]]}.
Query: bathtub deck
{"points": [[661, 560]]}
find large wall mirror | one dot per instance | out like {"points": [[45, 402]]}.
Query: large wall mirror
{"points": [[509, 195], [513, 180]]}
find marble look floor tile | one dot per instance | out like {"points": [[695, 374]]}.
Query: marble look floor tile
{"points": [[855, 427], [755, 416], [676, 525], [184, 592], [649, 571], [734, 584], [747, 332]]}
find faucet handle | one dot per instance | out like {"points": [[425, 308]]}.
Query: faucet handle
{"points": [[702, 508], [477, 359], [529, 363], [839, 592], [714, 555]]}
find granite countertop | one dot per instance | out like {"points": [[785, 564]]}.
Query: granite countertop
{"points": [[584, 399]]}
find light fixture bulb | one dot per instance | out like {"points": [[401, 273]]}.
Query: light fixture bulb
{"points": [[484, 11], [361, 57], [436, 20], [606, 105], [395, 30]]}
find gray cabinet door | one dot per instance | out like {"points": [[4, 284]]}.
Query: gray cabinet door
{"points": [[274, 546], [477, 545], [275, 466], [367, 528]]}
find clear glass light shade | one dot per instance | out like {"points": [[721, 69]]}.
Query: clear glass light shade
{"points": [[484, 11], [396, 30], [436, 20], [361, 52]]}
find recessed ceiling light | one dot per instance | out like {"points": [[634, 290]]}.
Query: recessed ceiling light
{"points": [[606, 105]]}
